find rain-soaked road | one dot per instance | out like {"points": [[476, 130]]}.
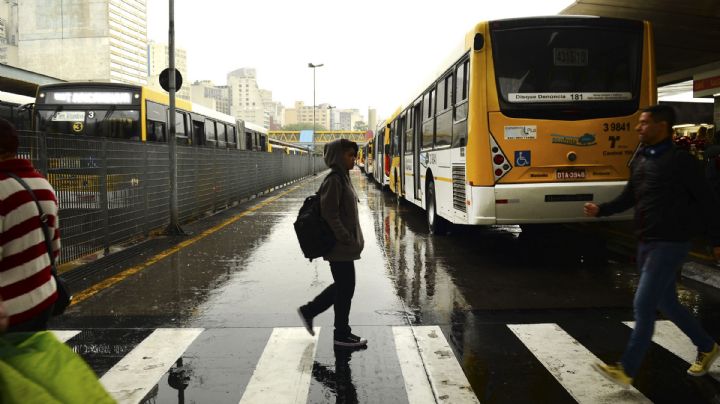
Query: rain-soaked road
{"points": [[524, 315]]}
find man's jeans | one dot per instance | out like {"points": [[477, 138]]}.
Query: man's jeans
{"points": [[659, 262]]}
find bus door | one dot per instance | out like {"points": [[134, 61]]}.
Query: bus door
{"points": [[400, 132], [417, 127], [408, 161], [380, 157]]}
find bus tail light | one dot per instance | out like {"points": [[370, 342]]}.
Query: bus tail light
{"points": [[501, 165]]}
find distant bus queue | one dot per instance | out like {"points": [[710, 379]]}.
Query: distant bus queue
{"points": [[529, 119]]}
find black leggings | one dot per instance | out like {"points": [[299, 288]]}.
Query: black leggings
{"points": [[339, 295]]}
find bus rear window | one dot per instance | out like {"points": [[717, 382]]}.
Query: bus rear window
{"points": [[592, 70]]}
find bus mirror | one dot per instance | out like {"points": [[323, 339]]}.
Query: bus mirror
{"points": [[479, 42]]}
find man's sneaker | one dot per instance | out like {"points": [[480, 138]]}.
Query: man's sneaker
{"points": [[703, 361], [350, 341], [306, 320], [614, 373]]}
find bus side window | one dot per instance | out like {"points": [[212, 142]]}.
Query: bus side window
{"points": [[155, 131], [461, 104], [231, 137], [210, 133], [428, 126], [443, 118], [181, 133], [198, 132], [248, 141], [221, 136]]}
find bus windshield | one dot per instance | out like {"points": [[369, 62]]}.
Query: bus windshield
{"points": [[101, 121], [560, 71]]}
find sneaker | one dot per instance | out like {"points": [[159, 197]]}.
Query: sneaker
{"points": [[703, 361], [614, 373], [350, 340], [306, 320]]}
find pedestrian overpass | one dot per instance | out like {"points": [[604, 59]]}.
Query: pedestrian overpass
{"points": [[305, 137]]}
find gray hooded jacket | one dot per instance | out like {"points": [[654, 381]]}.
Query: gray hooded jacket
{"points": [[338, 206]]}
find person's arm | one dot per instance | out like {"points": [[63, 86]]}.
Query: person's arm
{"points": [[621, 203], [330, 197]]}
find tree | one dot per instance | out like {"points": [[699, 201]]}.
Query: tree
{"points": [[303, 126], [360, 125]]}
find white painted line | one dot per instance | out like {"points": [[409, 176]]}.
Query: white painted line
{"points": [[571, 365], [65, 335], [447, 379], [417, 384], [139, 371], [670, 337], [282, 374]]}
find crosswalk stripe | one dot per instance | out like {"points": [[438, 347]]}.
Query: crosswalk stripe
{"points": [[65, 335], [417, 384], [447, 380], [570, 363], [282, 374], [670, 337], [131, 379]]}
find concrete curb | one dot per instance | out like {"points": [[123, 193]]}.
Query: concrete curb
{"points": [[702, 273]]}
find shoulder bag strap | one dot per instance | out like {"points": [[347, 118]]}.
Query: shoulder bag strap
{"points": [[43, 219]]}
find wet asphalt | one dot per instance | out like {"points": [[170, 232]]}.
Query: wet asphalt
{"points": [[249, 277]]}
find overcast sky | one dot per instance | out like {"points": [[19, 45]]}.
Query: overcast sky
{"points": [[376, 53]]}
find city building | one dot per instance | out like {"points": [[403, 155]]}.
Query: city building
{"points": [[348, 119], [302, 113], [9, 32], [273, 109], [158, 59], [83, 40], [211, 96], [246, 101]]}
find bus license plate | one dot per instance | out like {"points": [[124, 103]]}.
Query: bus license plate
{"points": [[69, 116], [570, 174]]}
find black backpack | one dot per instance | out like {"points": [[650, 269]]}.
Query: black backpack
{"points": [[314, 234]]}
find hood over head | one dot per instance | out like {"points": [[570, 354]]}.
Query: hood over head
{"points": [[335, 150]]}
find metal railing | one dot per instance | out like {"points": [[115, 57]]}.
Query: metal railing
{"points": [[113, 191]]}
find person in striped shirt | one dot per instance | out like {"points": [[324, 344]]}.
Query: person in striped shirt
{"points": [[27, 288]]}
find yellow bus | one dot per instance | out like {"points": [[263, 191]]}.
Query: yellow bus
{"points": [[381, 166], [130, 112], [529, 119]]}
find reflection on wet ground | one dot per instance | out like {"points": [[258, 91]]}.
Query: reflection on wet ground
{"points": [[250, 276]]}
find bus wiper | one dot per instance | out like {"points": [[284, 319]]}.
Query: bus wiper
{"points": [[109, 111]]}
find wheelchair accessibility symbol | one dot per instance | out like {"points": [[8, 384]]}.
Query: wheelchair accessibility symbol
{"points": [[522, 158]]}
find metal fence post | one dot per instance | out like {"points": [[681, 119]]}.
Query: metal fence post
{"points": [[42, 154], [105, 209], [144, 189]]}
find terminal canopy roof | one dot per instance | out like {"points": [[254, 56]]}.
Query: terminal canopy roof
{"points": [[687, 33]]}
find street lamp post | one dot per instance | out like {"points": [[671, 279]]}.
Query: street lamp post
{"points": [[314, 66]]}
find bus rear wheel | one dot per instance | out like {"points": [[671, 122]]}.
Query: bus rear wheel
{"points": [[436, 224]]}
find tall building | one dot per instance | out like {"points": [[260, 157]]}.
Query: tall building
{"points": [[209, 95], [348, 118], [304, 114], [9, 32], [97, 40], [274, 110], [372, 119], [159, 59], [246, 101]]}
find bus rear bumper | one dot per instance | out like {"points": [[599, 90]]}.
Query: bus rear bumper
{"points": [[542, 203]]}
